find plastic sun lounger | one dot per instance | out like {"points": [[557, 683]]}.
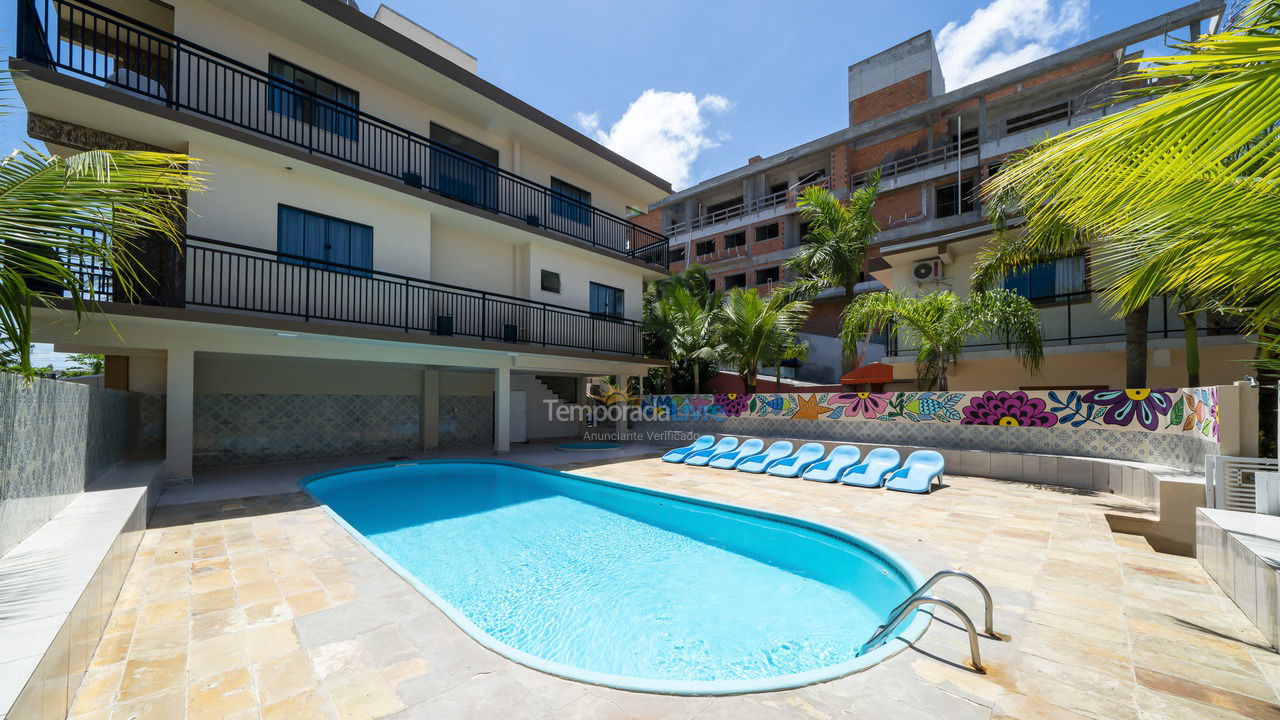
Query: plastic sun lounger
{"points": [[842, 458], [760, 463], [808, 454], [917, 473], [679, 454], [729, 460], [871, 472], [702, 457]]}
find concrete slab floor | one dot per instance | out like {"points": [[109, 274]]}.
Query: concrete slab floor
{"points": [[263, 607]]}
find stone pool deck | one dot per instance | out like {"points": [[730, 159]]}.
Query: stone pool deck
{"points": [[263, 607]]}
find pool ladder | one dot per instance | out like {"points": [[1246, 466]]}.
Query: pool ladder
{"points": [[918, 599]]}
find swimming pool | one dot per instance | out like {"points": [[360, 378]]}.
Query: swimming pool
{"points": [[620, 586]]}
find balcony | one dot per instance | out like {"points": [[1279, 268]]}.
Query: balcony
{"points": [[779, 199], [97, 44], [238, 278], [1077, 319], [934, 156]]}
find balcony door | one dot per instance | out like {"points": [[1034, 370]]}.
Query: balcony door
{"points": [[464, 169]]}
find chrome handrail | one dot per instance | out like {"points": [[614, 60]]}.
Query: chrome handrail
{"points": [[986, 595], [914, 603]]}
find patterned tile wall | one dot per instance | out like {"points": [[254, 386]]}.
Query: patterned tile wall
{"points": [[466, 420], [55, 437], [1184, 452], [250, 429]]}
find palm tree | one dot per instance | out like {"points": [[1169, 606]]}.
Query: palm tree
{"points": [[753, 329], [92, 207], [679, 313], [939, 324], [1178, 194], [835, 251]]}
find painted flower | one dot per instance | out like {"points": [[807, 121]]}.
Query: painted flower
{"points": [[733, 404], [1124, 407], [867, 404], [1012, 409]]}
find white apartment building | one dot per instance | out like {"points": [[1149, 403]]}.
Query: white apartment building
{"points": [[392, 254]]}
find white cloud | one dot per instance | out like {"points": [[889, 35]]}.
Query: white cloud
{"points": [[1005, 34], [662, 131]]}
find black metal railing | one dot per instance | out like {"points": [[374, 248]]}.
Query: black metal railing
{"points": [[94, 42], [230, 276], [1073, 319]]}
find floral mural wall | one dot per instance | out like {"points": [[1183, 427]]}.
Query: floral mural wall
{"points": [[1187, 411]]}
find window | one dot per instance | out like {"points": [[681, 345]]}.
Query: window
{"points": [[1043, 116], [706, 247], [735, 239], [550, 281], [735, 281], [804, 231], [606, 300], [677, 254], [779, 187], [305, 96], [766, 276], [947, 204], [327, 242], [767, 232], [463, 168], [570, 202], [1052, 281]]}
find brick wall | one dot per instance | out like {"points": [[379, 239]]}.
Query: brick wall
{"points": [[897, 96], [896, 205]]}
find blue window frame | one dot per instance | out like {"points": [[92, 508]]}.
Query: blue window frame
{"points": [[1055, 281], [606, 300], [570, 202], [309, 98], [326, 242]]}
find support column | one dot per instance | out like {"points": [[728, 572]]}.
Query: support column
{"points": [[502, 410], [429, 422], [179, 404], [624, 382], [583, 401]]}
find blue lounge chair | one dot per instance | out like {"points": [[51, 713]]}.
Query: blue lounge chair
{"points": [[917, 473], [729, 460], [702, 457], [760, 463], [875, 466], [842, 458], [808, 454], [679, 454]]}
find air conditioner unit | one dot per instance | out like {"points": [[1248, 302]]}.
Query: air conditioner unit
{"points": [[927, 270]]}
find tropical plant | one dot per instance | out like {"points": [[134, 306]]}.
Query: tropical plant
{"points": [[835, 251], [85, 364], [679, 314], [92, 207], [940, 323], [1177, 195], [791, 351], [754, 329]]}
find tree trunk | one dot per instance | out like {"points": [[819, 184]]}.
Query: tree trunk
{"points": [[850, 358], [671, 379], [942, 375], [748, 382], [1192, 342], [697, 379], [777, 378], [1135, 347]]}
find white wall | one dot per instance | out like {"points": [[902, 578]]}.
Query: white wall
{"points": [[245, 191]]}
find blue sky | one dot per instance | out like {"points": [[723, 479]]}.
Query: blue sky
{"points": [[692, 89]]}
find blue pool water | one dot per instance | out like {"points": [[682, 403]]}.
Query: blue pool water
{"points": [[635, 589]]}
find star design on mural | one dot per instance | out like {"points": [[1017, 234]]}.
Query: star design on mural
{"points": [[809, 409]]}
